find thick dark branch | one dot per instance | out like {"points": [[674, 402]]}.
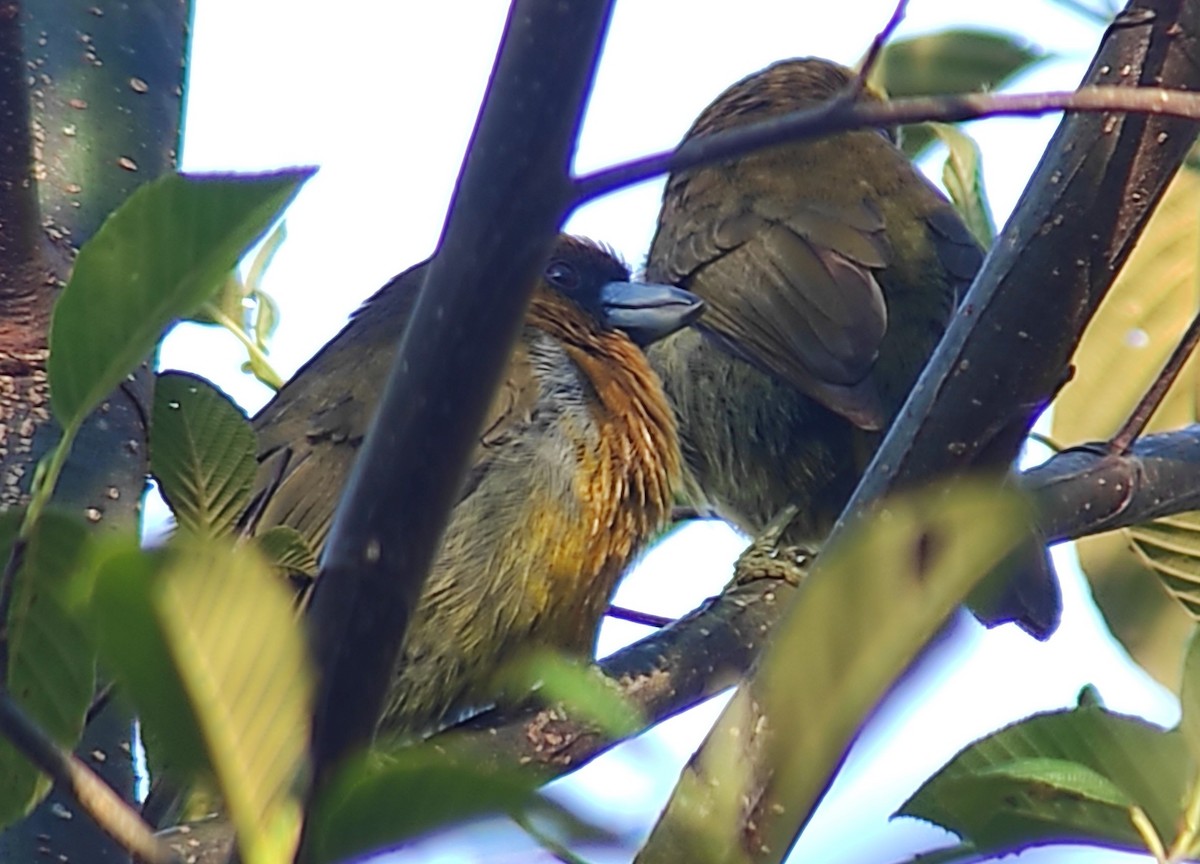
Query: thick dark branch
{"points": [[19, 224], [1089, 490], [94, 797], [840, 116], [668, 672], [102, 85], [512, 195], [1006, 352]]}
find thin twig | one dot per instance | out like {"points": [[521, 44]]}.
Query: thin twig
{"points": [[73, 777], [649, 619], [1134, 426], [16, 556], [842, 116], [876, 50], [1046, 441], [99, 702]]}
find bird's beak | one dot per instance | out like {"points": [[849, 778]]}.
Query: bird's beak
{"points": [[648, 312]]}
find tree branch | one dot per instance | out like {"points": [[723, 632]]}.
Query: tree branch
{"points": [[94, 797], [512, 195], [19, 229], [841, 116], [1078, 492]]}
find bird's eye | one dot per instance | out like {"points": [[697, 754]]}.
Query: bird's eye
{"points": [[562, 275]]}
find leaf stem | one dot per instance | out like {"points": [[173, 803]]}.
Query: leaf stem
{"points": [[261, 366], [1149, 834], [1187, 841]]}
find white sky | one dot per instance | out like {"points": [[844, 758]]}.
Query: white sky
{"points": [[382, 97]]}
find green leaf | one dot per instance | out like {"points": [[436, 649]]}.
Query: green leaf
{"points": [[951, 61], [585, 691], [962, 175], [156, 258], [872, 601], [287, 549], [1189, 698], [384, 799], [51, 662], [202, 452], [1062, 777], [205, 641], [1171, 548]]}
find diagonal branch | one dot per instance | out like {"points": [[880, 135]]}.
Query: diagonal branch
{"points": [[841, 116], [96, 798], [511, 196]]}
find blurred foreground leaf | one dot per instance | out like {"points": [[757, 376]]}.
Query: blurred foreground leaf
{"points": [[204, 639], [585, 692], [382, 800], [51, 661], [873, 600]]}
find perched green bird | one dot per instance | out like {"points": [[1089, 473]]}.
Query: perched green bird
{"points": [[575, 469], [830, 269]]}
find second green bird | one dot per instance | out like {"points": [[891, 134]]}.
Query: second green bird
{"points": [[830, 269]]}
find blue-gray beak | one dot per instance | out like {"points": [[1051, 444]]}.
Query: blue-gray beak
{"points": [[647, 312]]}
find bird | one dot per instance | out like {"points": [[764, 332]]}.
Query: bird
{"points": [[574, 470], [830, 269]]}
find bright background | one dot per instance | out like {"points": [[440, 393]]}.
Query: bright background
{"points": [[382, 96]]}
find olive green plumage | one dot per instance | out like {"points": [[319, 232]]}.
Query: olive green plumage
{"points": [[575, 469], [830, 269]]}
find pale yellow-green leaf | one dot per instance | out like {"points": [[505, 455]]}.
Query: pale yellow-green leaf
{"points": [[1125, 346], [204, 639], [962, 175], [873, 600], [1171, 548], [1150, 625], [1137, 326]]}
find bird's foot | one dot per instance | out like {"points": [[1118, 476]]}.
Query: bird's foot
{"points": [[766, 559]]}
